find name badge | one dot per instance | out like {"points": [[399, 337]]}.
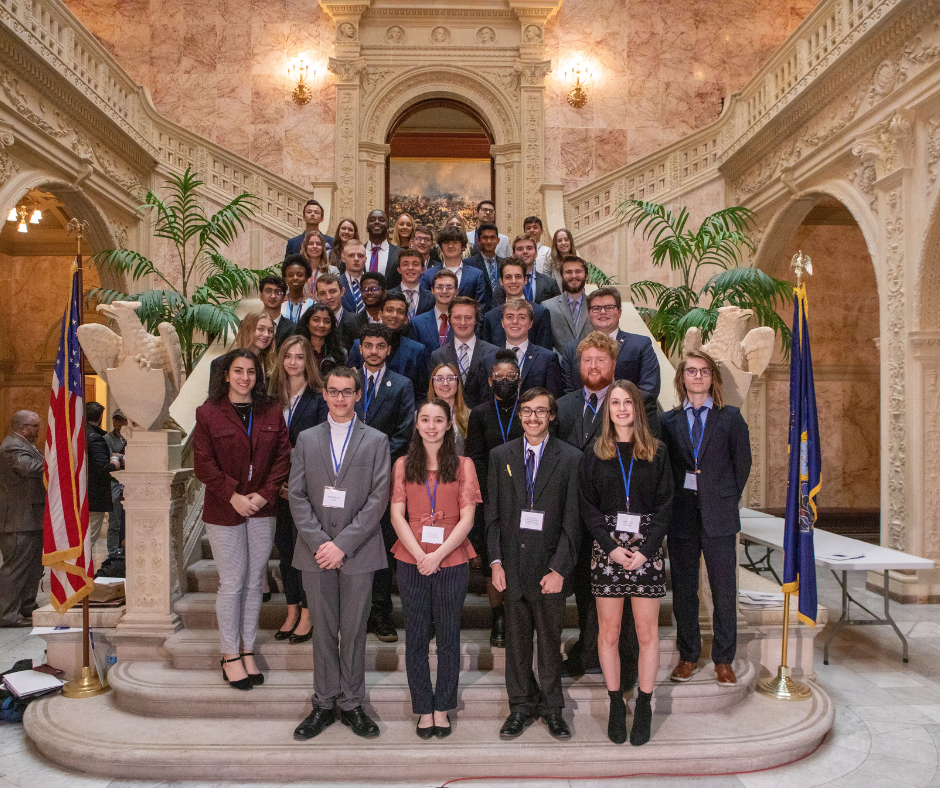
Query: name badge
{"points": [[691, 481], [531, 520], [628, 523], [333, 498], [432, 534]]}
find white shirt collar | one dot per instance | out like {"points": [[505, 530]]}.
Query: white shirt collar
{"points": [[470, 343], [382, 246], [523, 346], [377, 375], [709, 403], [614, 333]]}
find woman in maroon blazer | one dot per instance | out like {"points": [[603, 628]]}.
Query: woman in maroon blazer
{"points": [[242, 455]]}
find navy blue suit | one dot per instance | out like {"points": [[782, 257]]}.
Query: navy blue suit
{"points": [[425, 329], [636, 362], [478, 262], [472, 282], [425, 298], [392, 410], [545, 287], [540, 369], [539, 334], [477, 387], [293, 244], [349, 301], [410, 360]]}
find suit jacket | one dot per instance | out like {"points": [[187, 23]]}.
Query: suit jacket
{"points": [[364, 475], [564, 330], [221, 450], [347, 329], [99, 470], [545, 287], [477, 261], [391, 411], [724, 463], [577, 425], [636, 362], [425, 298], [425, 330], [477, 387], [410, 360], [293, 244], [528, 555], [22, 492], [472, 281], [309, 411], [349, 301], [540, 369], [491, 328], [284, 329]]}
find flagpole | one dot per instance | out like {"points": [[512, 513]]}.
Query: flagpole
{"points": [[90, 684], [783, 686]]}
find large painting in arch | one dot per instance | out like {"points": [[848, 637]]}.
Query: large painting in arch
{"points": [[432, 189]]}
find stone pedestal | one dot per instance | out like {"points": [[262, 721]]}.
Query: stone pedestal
{"points": [[64, 649], [154, 506]]}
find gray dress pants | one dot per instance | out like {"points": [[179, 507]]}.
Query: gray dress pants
{"points": [[20, 574]]}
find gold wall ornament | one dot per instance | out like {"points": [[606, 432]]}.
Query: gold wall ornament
{"points": [[302, 94], [578, 79]]}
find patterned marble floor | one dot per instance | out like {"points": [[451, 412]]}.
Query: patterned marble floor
{"points": [[886, 734]]}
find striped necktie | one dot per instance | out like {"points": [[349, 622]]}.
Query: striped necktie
{"points": [[357, 295], [463, 362]]}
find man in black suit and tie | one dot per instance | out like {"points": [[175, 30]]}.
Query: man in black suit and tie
{"points": [[568, 311], [533, 530], [538, 367], [381, 255], [636, 361], [313, 215], [512, 279], [487, 261], [538, 287], [387, 405], [710, 452], [471, 355], [330, 292], [273, 291], [418, 297], [580, 418]]}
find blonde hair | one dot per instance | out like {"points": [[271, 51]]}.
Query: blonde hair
{"points": [[322, 265], [279, 387], [716, 388], [644, 444], [246, 337], [461, 411], [396, 238]]}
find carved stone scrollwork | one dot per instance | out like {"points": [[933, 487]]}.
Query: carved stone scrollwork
{"points": [[6, 165], [532, 75], [931, 505], [933, 150], [346, 71]]}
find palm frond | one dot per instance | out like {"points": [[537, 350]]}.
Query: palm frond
{"points": [[597, 277], [223, 226]]}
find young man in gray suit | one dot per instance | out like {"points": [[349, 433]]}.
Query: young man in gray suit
{"points": [[568, 311], [338, 491], [22, 504]]}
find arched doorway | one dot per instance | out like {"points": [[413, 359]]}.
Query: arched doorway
{"points": [[844, 326], [439, 162]]}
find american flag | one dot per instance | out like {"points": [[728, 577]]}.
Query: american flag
{"points": [[65, 547]]}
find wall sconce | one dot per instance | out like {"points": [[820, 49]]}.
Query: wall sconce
{"points": [[298, 73], [578, 79]]}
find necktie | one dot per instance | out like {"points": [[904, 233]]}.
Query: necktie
{"points": [[463, 361], [575, 308], [592, 401], [530, 472], [696, 426], [412, 302], [491, 271], [357, 296], [371, 392], [518, 357], [374, 262], [443, 330]]}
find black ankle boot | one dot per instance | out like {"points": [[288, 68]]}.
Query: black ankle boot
{"points": [[617, 722], [642, 719]]}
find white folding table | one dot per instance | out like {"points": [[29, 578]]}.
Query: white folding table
{"points": [[759, 528]]}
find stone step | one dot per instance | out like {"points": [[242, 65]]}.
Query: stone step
{"points": [[757, 733], [157, 689]]}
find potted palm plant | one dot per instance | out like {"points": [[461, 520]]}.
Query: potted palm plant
{"points": [[708, 262], [199, 312]]}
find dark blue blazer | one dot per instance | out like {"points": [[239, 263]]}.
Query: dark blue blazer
{"points": [[477, 262], [424, 329], [472, 282], [545, 287], [425, 298], [724, 463], [410, 360], [477, 387], [293, 244], [491, 328], [392, 410], [309, 411], [636, 362], [540, 369], [349, 302]]}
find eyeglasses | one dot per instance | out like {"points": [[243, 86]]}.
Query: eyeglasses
{"points": [[445, 378], [269, 291], [444, 288], [513, 376], [692, 372], [599, 308], [371, 289], [344, 393], [540, 412]]}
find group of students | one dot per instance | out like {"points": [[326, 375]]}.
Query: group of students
{"points": [[363, 445]]}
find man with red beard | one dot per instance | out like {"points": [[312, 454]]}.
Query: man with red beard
{"points": [[580, 417]]}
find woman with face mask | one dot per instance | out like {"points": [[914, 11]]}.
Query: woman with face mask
{"points": [[493, 423]]}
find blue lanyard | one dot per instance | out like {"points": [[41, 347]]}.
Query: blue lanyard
{"points": [[432, 498], [290, 410], [530, 482], [527, 291], [505, 432], [367, 400], [251, 413], [696, 449], [336, 465], [626, 479], [588, 404]]}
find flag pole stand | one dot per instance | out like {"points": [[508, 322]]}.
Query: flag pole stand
{"points": [[783, 686], [89, 685]]}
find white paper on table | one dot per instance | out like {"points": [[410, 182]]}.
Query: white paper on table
{"points": [[109, 581], [53, 630], [840, 557]]}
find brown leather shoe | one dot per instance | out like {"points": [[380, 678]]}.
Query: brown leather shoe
{"points": [[683, 671], [725, 674]]}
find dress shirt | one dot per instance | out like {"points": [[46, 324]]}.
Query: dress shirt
{"points": [[338, 434], [575, 304], [492, 270], [601, 395], [613, 335], [414, 297], [377, 376], [338, 315], [542, 262], [707, 405], [288, 411], [383, 257], [539, 451], [470, 343], [458, 270], [520, 355]]}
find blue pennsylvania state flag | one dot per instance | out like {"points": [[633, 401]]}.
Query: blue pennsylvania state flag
{"points": [[804, 480]]}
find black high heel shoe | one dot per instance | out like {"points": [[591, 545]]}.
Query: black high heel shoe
{"points": [[283, 634], [241, 684], [295, 639], [254, 678]]}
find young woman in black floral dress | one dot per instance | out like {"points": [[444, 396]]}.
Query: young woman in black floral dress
{"points": [[626, 498]]}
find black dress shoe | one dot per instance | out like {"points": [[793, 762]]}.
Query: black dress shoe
{"points": [[255, 678], [426, 733], [515, 724], [498, 631], [557, 727], [316, 721], [265, 597], [381, 624], [441, 732], [359, 721]]}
